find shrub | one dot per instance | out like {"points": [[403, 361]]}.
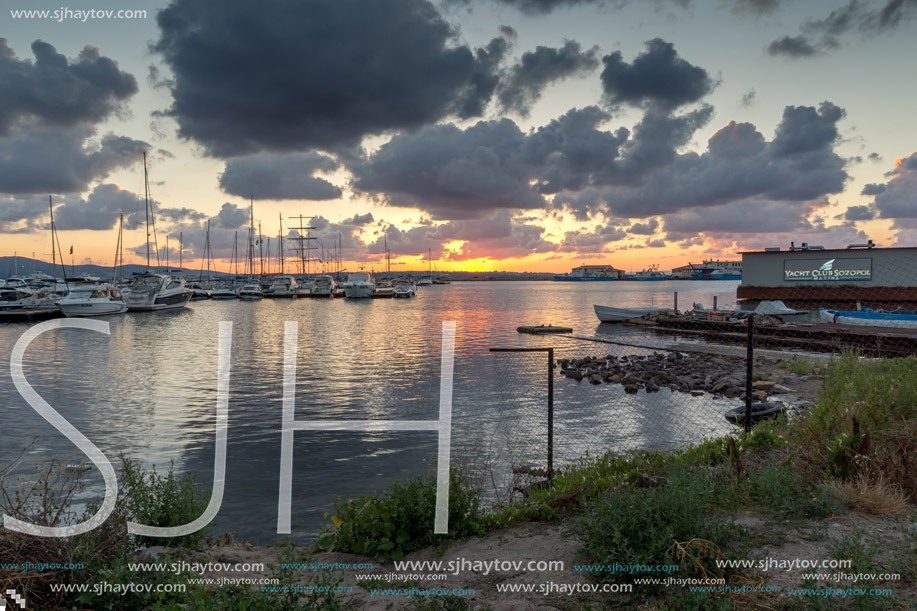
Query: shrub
{"points": [[641, 526], [400, 520]]}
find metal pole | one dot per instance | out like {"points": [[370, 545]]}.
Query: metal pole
{"points": [[749, 370], [714, 303], [550, 414], [676, 301]]}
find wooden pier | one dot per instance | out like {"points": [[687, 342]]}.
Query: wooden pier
{"points": [[29, 315]]}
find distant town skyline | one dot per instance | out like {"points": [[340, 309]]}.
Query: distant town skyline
{"points": [[516, 135]]}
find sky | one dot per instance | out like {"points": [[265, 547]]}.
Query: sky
{"points": [[518, 135]]}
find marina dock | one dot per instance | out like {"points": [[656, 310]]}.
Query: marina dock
{"points": [[29, 315]]}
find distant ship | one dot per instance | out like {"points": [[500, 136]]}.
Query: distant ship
{"points": [[718, 270]]}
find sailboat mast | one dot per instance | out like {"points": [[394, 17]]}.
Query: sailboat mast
{"points": [[146, 199], [251, 239], [280, 239], [53, 256]]}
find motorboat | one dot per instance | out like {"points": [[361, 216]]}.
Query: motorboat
{"points": [[403, 288], [359, 285], [223, 292], [613, 314], [150, 291], [869, 318], [200, 292], [91, 297], [251, 292], [282, 286], [16, 299], [323, 286]]}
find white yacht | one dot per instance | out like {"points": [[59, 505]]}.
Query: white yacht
{"points": [[403, 288], [151, 291], [251, 292], [282, 286], [359, 285], [323, 286], [91, 297]]}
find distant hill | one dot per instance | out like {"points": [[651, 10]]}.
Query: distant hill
{"points": [[24, 266]]}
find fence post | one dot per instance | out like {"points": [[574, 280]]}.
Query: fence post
{"points": [[676, 301], [550, 414], [749, 370]]}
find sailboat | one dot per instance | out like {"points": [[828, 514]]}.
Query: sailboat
{"points": [[251, 291], [90, 296], [151, 290], [427, 279]]}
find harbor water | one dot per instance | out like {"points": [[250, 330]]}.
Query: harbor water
{"points": [[148, 390]]}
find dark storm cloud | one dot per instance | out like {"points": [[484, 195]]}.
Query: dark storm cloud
{"points": [[872, 189], [453, 173], [797, 166], [541, 67], [45, 160], [898, 200], [323, 75], [100, 210], [657, 76], [755, 7], [648, 228], [285, 176], [231, 216], [793, 47], [859, 213], [23, 214], [57, 91], [591, 242]]}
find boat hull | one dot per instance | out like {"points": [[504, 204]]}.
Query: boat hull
{"points": [[358, 292], [92, 308], [869, 319], [613, 314], [582, 279]]}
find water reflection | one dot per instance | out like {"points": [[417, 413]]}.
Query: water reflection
{"points": [[149, 390]]}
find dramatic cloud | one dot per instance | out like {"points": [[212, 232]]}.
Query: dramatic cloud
{"points": [[799, 165], [46, 160], [859, 213], [323, 76], [541, 67], [461, 174], [819, 35], [792, 46], [231, 216], [290, 176], [591, 242], [898, 199], [100, 211], [59, 92], [648, 228], [749, 98], [658, 77]]}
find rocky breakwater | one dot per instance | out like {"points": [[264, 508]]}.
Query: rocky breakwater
{"points": [[697, 374]]}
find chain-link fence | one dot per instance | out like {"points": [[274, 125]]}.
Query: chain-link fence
{"points": [[660, 378]]}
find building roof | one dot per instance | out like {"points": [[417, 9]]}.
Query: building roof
{"points": [[816, 250], [599, 267]]}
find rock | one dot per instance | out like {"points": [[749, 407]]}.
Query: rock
{"points": [[777, 389], [576, 375], [595, 379], [760, 395], [631, 378], [697, 393], [763, 385], [652, 387], [613, 378], [148, 554], [631, 389], [731, 392]]}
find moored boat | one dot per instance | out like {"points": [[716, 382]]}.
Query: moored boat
{"points": [[88, 297], [323, 286], [403, 288], [251, 292], [869, 318], [359, 285], [151, 291], [613, 314], [282, 286]]}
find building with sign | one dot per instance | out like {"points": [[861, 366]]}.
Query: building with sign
{"points": [[859, 272]]}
